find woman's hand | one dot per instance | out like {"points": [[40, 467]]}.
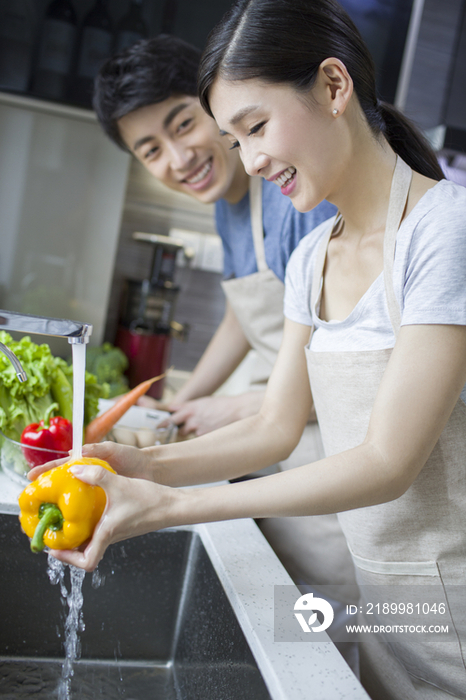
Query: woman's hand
{"points": [[125, 460], [134, 507], [201, 416]]}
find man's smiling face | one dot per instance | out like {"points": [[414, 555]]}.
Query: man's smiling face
{"points": [[181, 146]]}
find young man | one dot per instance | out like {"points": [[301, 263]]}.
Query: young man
{"points": [[146, 101]]}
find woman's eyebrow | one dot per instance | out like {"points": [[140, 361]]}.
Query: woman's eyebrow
{"points": [[238, 116]]}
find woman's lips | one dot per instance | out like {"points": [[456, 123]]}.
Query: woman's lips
{"points": [[286, 180], [200, 177]]}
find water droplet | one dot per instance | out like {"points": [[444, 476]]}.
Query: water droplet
{"points": [[98, 579]]}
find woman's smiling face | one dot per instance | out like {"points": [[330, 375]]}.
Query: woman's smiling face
{"points": [[283, 136]]}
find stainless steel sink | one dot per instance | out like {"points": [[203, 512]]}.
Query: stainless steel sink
{"points": [[159, 628]]}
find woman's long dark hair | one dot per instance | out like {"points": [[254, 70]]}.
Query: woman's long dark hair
{"points": [[285, 41]]}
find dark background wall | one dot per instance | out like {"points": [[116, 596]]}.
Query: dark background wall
{"points": [[437, 89], [23, 23], [190, 19]]}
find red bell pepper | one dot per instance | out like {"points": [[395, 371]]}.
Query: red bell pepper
{"points": [[52, 434]]}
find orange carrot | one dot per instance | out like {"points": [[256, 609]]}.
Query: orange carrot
{"points": [[101, 425]]}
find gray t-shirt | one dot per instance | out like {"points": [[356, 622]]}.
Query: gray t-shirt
{"points": [[429, 278]]}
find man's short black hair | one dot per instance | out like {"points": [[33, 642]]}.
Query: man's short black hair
{"points": [[150, 71]]}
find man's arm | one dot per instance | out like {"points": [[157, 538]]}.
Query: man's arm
{"points": [[222, 356], [193, 408]]}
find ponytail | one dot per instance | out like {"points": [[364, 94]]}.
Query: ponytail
{"points": [[408, 142]]}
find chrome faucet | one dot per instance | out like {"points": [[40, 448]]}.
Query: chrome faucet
{"points": [[20, 373], [24, 323]]}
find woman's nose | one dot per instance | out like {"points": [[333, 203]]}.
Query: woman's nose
{"points": [[254, 162]]}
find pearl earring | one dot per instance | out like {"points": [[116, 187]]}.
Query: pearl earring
{"points": [[335, 111]]}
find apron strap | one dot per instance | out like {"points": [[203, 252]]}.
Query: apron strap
{"points": [[255, 200], [316, 289], [401, 183]]}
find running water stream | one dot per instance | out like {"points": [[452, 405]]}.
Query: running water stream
{"points": [[79, 373], [74, 620], [56, 569]]}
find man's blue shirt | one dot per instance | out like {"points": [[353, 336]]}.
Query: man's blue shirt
{"points": [[283, 225]]}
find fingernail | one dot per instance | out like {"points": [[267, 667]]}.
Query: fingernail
{"points": [[77, 470]]}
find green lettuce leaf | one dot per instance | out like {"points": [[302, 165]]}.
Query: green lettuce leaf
{"points": [[49, 379]]}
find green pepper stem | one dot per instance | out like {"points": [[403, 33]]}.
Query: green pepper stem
{"points": [[51, 516], [48, 414]]}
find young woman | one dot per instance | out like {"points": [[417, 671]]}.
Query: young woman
{"points": [[375, 308], [146, 101]]}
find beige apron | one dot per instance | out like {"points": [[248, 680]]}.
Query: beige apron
{"points": [[418, 539], [257, 299], [312, 549]]}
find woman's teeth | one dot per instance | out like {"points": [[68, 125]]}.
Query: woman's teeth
{"points": [[201, 174], [284, 178]]}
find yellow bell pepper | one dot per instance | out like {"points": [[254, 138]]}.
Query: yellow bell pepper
{"points": [[59, 510]]}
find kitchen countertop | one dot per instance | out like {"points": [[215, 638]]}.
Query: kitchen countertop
{"points": [[249, 571]]}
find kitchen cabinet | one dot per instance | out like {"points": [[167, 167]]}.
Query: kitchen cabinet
{"points": [[51, 49], [62, 185]]}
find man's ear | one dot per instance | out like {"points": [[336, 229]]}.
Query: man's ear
{"points": [[335, 85]]}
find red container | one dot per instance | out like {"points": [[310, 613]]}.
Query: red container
{"points": [[148, 355]]}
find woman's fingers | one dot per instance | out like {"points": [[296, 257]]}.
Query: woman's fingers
{"points": [[88, 557], [124, 459], [133, 507], [103, 450], [91, 474], [34, 473], [75, 558]]}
